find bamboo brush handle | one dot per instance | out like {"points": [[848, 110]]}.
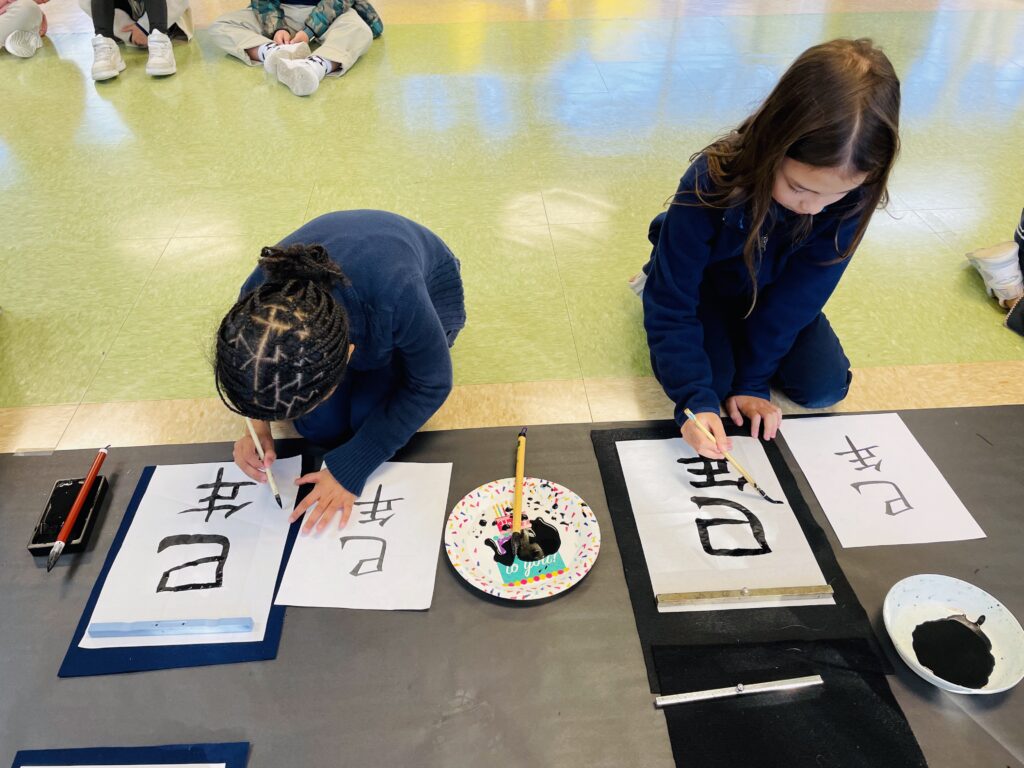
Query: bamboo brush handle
{"points": [[517, 499]]}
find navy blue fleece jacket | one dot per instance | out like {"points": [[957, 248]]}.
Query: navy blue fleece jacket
{"points": [[698, 256], [405, 299]]}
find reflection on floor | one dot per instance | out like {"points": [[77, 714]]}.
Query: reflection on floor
{"points": [[538, 138]]}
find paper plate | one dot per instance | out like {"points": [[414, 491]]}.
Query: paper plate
{"points": [[928, 597], [477, 532]]}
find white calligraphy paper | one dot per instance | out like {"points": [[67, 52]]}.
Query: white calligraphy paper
{"points": [[162, 765], [385, 558], [875, 482], [205, 544], [703, 529]]}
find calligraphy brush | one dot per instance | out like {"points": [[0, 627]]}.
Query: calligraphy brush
{"points": [[76, 508], [730, 458], [263, 458], [521, 539]]}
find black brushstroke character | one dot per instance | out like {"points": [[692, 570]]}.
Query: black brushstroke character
{"points": [[861, 456], [195, 538], [379, 559], [703, 524], [376, 506], [211, 501], [889, 502], [710, 469], [545, 535]]}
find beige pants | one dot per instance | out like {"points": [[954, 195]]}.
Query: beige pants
{"points": [[347, 39], [23, 15]]}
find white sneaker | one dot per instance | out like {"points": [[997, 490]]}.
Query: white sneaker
{"points": [[302, 76], [22, 43], [283, 52], [161, 55], [1000, 269], [106, 61], [637, 283]]}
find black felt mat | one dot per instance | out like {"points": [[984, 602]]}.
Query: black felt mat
{"points": [[846, 619], [850, 721]]}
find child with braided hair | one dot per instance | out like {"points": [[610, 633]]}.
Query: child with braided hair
{"points": [[345, 328]]}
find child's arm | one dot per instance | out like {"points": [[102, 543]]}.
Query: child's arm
{"points": [[323, 15], [671, 295], [789, 305], [427, 381], [270, 14], [326, 11]]}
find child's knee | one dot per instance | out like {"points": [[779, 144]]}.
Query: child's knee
{"points": [[822, 392], [320, 432]]}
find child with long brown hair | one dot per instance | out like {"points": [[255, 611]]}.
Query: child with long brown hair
{"points": [[755, 240]]}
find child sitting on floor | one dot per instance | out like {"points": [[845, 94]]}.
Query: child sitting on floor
{"points": [[139, 23], [1001, 267], [22, 26], [278, 35]]}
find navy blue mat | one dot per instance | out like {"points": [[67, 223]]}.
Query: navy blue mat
{"points": [[233, 755], [83, 662]]}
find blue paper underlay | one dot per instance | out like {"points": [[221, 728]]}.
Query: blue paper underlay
{"points": [[233, 755], [83, 662]]}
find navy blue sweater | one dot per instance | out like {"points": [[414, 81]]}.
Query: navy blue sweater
{"points": [[698, 256], [405, 299]]}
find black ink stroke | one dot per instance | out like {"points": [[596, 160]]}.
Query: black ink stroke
{"points": [[195, 538], [703, 524], [376, 507], [379, 559], [710, 469], [861, 456], [889, 502], [211, 501]]}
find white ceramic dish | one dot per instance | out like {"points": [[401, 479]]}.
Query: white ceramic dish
{"points": [[927, 597]]}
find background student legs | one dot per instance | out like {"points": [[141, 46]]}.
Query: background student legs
{"points": [[348, 38], [20, 26]]}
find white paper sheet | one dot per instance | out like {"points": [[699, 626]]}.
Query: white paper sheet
{"points": [[386, 556], [669, 521], [148, 765], [875, 482], [255, 533]]}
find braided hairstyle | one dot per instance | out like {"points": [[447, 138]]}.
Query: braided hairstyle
{"points": [[283, 347]]}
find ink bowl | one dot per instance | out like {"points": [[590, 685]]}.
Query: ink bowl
{"points": [[985, 653]]}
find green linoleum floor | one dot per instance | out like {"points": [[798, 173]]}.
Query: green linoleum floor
{"points": [[130, 211]]}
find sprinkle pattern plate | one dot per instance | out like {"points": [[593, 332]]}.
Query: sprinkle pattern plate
{"points": [[477, 539]]}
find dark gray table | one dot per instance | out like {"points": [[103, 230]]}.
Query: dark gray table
{"points": [[359, 688]]}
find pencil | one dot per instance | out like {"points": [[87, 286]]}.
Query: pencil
{"points": [[263, 458], [76, 508], [729, 457]]}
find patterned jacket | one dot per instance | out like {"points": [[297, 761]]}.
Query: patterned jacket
{"points": [[271, 16]]}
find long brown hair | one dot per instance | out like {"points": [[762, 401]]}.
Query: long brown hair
{"points": [[837, 106]]}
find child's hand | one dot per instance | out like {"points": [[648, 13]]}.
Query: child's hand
{"points": [[282, 37], [246, 457], [300, 37], [329, 496], [699, 441], [758, 410], [138, 37]]}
